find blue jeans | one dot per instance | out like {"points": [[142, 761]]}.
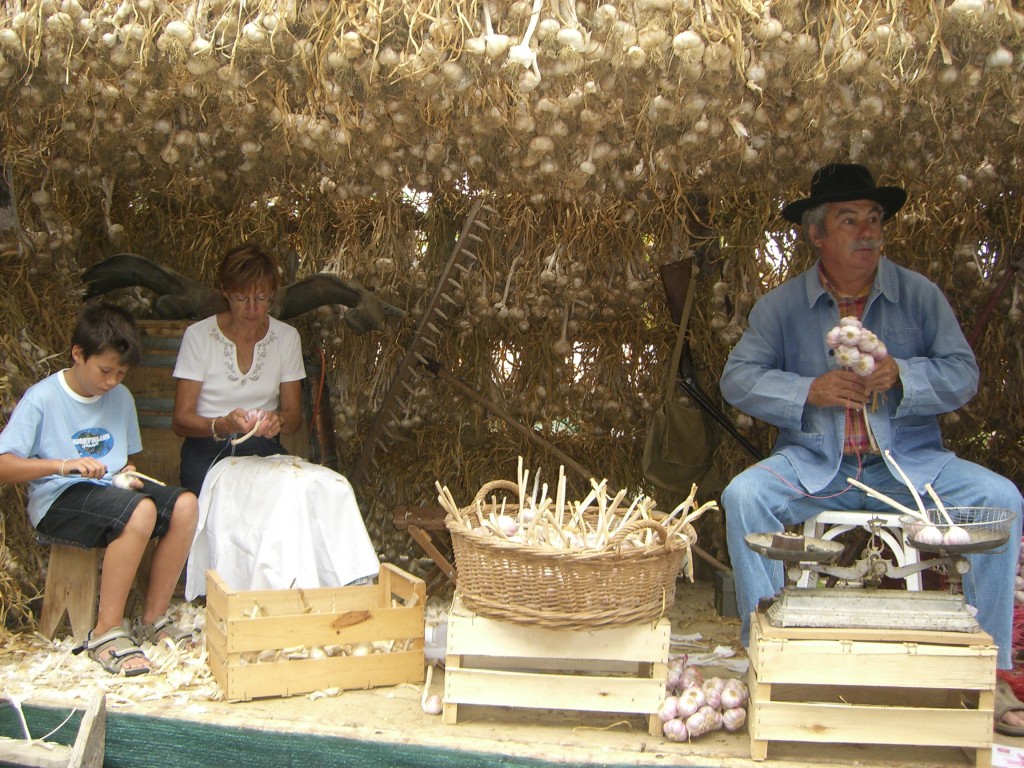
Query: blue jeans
{"points": [[766, 497]]}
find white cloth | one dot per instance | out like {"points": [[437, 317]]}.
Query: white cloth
{"points": [[278, 522], [208, 356]]}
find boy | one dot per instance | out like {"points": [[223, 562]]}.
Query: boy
{"points": [[66, 438]]}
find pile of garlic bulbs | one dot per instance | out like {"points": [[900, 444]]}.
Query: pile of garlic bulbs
{"points": [[695, 706]]}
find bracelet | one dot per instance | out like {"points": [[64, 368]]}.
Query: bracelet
{"points": [[62, 465], [213, 430], [280, 420]]}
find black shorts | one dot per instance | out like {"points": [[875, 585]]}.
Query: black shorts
{"points": [[94, 515]]}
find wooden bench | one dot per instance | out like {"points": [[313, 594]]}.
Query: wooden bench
{"points": [[426, 526]]}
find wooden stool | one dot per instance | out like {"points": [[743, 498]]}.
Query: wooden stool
{"points": [[427, 528], [72, 587]]}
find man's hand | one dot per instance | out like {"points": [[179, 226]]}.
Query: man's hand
{"points": [[841, 388], [850, 390], [884, 377]]}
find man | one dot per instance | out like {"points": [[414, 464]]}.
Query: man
{"points": [[783, 372]]}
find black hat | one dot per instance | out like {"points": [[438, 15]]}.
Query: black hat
{"points": [[837, 182]]}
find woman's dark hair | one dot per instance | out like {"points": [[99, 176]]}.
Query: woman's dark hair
{"points": [[103, 327], [246, 266]]}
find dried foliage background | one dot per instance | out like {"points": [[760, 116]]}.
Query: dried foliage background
{"points": [[609, 138]]}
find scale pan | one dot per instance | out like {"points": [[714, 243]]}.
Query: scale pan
{"points": [[814, 550]]}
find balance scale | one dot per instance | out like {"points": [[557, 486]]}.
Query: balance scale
{"points": [[870, 607]]}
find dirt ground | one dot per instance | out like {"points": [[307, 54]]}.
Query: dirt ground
{"points": [[43, 674]]}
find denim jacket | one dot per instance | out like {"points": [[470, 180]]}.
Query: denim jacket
{"points": [[770, 370]]}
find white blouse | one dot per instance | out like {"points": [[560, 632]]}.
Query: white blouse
{"points": [[210, 357]]}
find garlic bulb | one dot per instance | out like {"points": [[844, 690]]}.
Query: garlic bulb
{"points": [[929, 535], [955, 536]]}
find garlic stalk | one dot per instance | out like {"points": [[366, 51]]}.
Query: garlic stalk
{"points": [[938, 503], [250, 433], [131, 474], [521, 53], [494, 45], [907, 482], [888, 500]]}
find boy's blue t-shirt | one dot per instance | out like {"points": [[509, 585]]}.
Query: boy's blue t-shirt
{"points": [[52, 422]]}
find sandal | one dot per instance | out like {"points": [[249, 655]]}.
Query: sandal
{"points": [[1007, 701], [112, 649], [164, 629]]}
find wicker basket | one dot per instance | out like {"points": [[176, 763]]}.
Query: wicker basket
{"points": [[574, 589]]}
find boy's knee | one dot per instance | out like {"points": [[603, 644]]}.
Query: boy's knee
{"points": [[186, 509], [143, 517]]}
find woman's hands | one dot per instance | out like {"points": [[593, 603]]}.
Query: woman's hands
{"points": [[242, 422]]}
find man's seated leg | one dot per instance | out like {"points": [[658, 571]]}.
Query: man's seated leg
{"points": [[759, 500], [989, 585]]}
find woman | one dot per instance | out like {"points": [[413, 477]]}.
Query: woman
{"points": [[266, 520], [237, 371]]}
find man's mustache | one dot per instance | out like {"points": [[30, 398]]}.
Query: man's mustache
{"points": [[872, 242]]}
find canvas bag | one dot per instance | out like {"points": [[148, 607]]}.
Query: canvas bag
{"points": [[680, 445]]}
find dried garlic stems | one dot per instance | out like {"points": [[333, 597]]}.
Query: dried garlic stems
{"points": [[140, 476], [887, 500], [938, 503], [250, 433], [592, 524], [921, 512], [906, 482]]}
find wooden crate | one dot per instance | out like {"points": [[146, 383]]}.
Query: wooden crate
{"points": [[241, 624], [899, 687], [497, 663]]}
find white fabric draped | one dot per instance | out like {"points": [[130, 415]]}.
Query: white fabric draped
{"points": [[278, 522]]}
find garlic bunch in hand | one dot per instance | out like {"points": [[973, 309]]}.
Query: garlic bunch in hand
{"points": [[859, 350], [260, 416], [127, 478], [855, 345], [123, 480]]}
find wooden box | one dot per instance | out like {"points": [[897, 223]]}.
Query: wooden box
{"points": [[242, 625], [898, 687], [498, 663]]}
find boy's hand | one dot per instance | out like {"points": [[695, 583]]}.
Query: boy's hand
{"points": [[133, 483], [85, 467]]}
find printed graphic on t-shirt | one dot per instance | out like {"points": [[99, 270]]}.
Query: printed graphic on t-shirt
{"points": [[93, 442]]}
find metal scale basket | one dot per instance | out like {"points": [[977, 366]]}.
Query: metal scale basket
{"points": [[982, 531]]}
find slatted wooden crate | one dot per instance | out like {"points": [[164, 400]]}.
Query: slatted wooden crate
{"points": [[498, 663], [241, 624], [899, 687]]}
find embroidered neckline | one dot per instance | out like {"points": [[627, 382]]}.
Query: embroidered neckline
{"points": [[229, 355]]}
